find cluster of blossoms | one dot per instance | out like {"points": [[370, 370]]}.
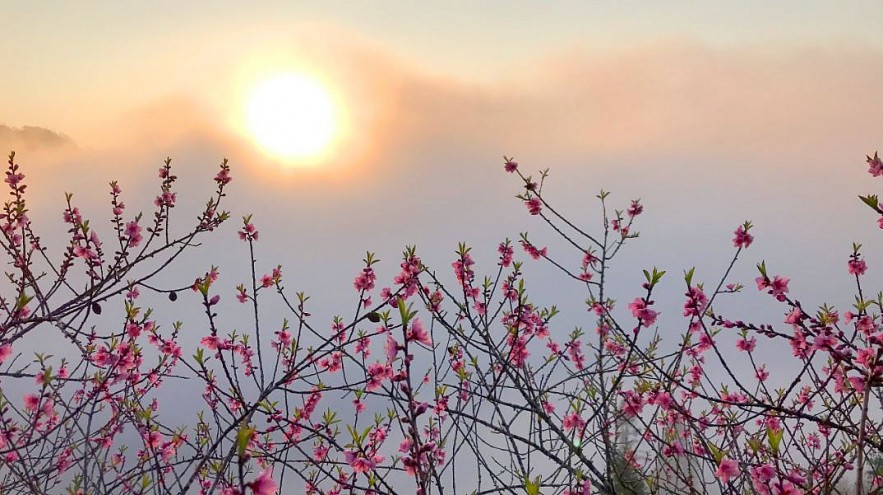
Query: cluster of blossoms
{"points": [[640, 309], [405, 392], [249, 232], [533, 251]]}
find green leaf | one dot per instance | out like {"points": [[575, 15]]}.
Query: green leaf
{"points": [[871, 200], [199, 356], [404, 312], [775, 439], [717, 453], [532, 487], [657, 275], [243, 436], [754, 444], [22, 301]]}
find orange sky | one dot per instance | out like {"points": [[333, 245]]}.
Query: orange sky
{"points": [[591, 78], [711, 113]]}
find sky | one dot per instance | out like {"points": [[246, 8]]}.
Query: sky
{"points": [[710, 112]]}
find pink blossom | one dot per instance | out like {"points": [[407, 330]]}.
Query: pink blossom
{"points": [[534, 206], [333, 363], [823, 341], [248, 232], [133, 329], [284, 338], [510, 165], [320, 452], [742, 239], [133, 293], [241, 294], [696, 302], [518, 353], [223, 177], [633, 403], [856, 266], [167, 199], [761, 476], [418, 333], [673, 450], [5, 352], [532, 250], [264, 484], [866, 325], [73, 216], [211, 342], [13, 178], [391, 347], [64, 462], [506, 253], [133, 233], [575, 352], [357, 462], [405, 445], [377, 373], [153, 439], [640, 309], [726, 470], [635, 209], [463, 269], [365, 280], [31, 402], [866, 357], [84, 252], [786, 488], [778, 286], [795, 316], [589, 261], [746, 344], [663, 400], [858, 383], [799, 345], [875, 165], [762, 374], [573, 421]]}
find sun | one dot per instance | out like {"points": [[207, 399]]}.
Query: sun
{"points": [[291, 116]]}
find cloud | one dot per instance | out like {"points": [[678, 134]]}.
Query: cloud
{"points": [[33, 138], [670, 98], [678, 124], [679, 99]]}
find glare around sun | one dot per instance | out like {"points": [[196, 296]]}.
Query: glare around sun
{"points": [[291, 116]]}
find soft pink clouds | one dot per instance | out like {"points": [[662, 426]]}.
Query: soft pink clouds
{"points": [[667, 98]]}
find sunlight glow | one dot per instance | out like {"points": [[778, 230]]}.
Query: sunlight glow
{"points": [[291, 116]]}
